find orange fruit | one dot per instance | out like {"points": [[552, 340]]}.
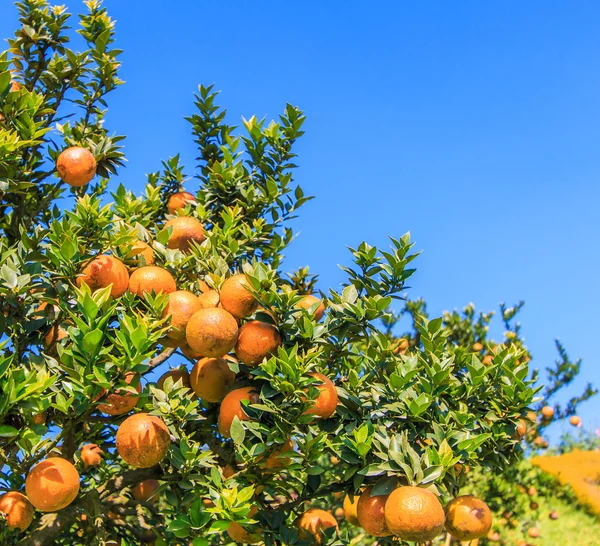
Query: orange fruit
{"points": [[185, 231], [477, 347], [240, 534], [487, 360], [52, 484], [414, 514], [104, 271], [275, 460], [189, 352], [120, 402], [208, 299], [140, 254], [402, 346], [540, 442], [534, 532], [181, 306], [237, 298], [17, 510], [532, 416], [143, 440], [370, 511], [326, 402], [145, 491], [521, 429], [91, 455], [40, 418], [231, 406], [202, 286], [177, 375], [151, 278], [179, 200], [547, 412], [308, 301], [350, 509], [313, 522], [468, 518], [256, 341], [553, 514], [211, 332], [229, 471], [532, 491], [575, 420], [211, 379], [76, 166]]}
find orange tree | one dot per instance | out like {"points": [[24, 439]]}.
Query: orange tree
{"points": [[287, 400]]}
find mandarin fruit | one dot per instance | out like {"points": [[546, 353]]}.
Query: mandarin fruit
{"points": [[209, 299], [76, 166], [325, 404], [178, 375], [17, 510], [151, 278], [240, 534], [468, 518], [91, 455], [52, 484], [350, 509], [277, 459], [313, 522], [231, 407], [180, 308], [256, 341], [212, 332], [185, 230], [547, 412], [211, 379], [236, 297], [105, 271], [141, 254], [370, 511], [179, 200], [308, 301], [143, 440], [145, 491], [121, 402], [575, 420]]}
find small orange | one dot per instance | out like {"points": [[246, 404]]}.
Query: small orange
{"points": [[178, 375], [308, 301], [185, 231], [40, 418], [52, 484], [180, 308], [76, 166], [313, 522], [145, 491], [179, 200], [141, 254], [229, 471], [231, 406], [402, 347], [276, 460], [17, 510], [104, 271], [468, 518], [521, 429], [151, 278], [256, 341], [237, 298], [534, 532], [211, 379], [209, 299], [547, 412], [91, 455], [350, 509], [240, 534], [477, 347], [143, 440], [325, 404], [212, 332], [370, 511], [575, 420], [487, 360], [121, 402]]}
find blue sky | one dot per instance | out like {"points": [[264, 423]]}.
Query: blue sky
{"points": [[474, 125]]}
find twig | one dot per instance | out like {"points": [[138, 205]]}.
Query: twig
{"points": [[162, 357]]}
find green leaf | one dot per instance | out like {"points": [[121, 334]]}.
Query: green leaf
{"points": [[237, 431], [8, 432], [91, 340]]}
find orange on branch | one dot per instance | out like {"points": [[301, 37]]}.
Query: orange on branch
{"points": [[121, 402], [237, 298], [212, 332], [308, 301], [325, 404], [243, 535], [370, 511], [76, 166], [575, 420], [211, 379], [105, 271], [141, 254], [151, 278], [143, 440], [209, 299], [276, 460], [402, 346], [91, 455], [177, 375], [180, 308], [17, 510], [547, 412], [468, 518], [231, 407], [313, 522], [351, 509], [189, 352], [52, 484], [179, 200], [185, 231], [256, 341], [145, 491]]}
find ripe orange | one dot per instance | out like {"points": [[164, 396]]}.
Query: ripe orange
{"points": [[52, 484], [532, 416], [143, 440], [91, 455], [76, 166], [121, 402], [189, 352], [414, 514], [17, 510], [240, 534], [534, 532], [350, 509], [275, 460], [313, 522], [229, 471], [177, 375], [202, 286], [237, 298], [211, 379], [521, 429], [547, 412], [487, 360], [209, 299], [181, 306], [104, 271], [256, 341], [145, 491], [151, 278], [494, 536], [553, 514], [185, 231], [540, 442], [211, 332], [231, 406], [179, 200], [477, 347], [308, 301], [468, 518], [40, 418], [370, 511], [532, 491], [402, 346], [575, 420], [140, 254], [326, 402]]}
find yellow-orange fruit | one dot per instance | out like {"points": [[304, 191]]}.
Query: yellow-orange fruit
{"points": [[238, 533], [211, 379], [402, 346], [308, 301], [313, 522], [91, 455], [52, 484], [237, 298], [326, 403], [145, 491], [179, 200], [547, 412], [176, 374], [532, 491], [534, 532], [76, 166], [202, 286], [180, 308], [575, 420], [275, 460], [370, 511], [521, 429], [212, 332], [228, 471], [540, 442], [151, 278], [141, 254], [231, 406], [477, 347], [209, 299], [350, 509], [121, 402], [487, 360], [104, 271], [414, 514], [468, 518], [40, 418], [256, 341], [17, 510], [143, 440], [185, 231]]}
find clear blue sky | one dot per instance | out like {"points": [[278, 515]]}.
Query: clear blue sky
{"points": [[475, 125]]}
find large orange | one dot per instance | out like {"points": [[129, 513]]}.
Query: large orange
{"points": [[145, 490], [121, 402], [209, 299], [414, 514], [76, 166], [52, 484], [212, 332], [185, 231], [151, 278], [179, 200], [211, 379], [370, 511], [91, 455], [140, 254], [350, 509], [326, 402], [177, 375], [313, 522], [256, 341], [231, 406], [143, 440], [242, 535], [181, 306], [277, 459], [468, 518], [104, 271], [237, 298], [308, 301], [17, 510]]}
